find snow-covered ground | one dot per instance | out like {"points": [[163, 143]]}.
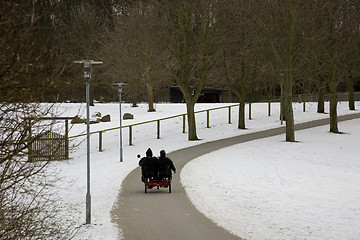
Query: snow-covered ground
{"points": [[270, 189], [264, 189]]}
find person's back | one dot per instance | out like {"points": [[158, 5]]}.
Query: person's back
{"points": [[165, 166], [148, 165]]}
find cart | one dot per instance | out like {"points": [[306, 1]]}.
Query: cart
{"points": [[158, 183]]}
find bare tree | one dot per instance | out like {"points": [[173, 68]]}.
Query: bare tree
{"points": [[81, 29], [27, 205], [333, 44], [132, 53], [26, 41], [240, 50], [27, 75], [188, 31], [352, 48], [282, 22]]}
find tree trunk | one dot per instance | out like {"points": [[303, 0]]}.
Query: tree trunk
{"points": [[134, 101], [134, 94], [290, 130], [150, 97], [333, 109], [289, 115], [283, 109], [321, 101], [242, 96], [190, 106], [304, 102], [350, 83], [241, 120], [282, 104]]}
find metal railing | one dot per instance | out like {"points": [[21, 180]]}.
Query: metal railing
{"points": [[158, 121]]}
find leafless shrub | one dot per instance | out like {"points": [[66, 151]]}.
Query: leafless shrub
{"points": [[28, 208]]}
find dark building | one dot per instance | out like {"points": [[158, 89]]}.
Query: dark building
{"points": [[208, 95]]}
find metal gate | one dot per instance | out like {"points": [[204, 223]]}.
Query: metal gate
{"points": [[49, 146]]}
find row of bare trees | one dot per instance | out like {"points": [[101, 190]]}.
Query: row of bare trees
{"points": [[244, 46]]}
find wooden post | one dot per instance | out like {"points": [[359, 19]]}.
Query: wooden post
{"points": [[158, 129], [184, 123], [130, 135], [269, 108], [229, 115], [207, 118], [66, 138], [100, 141], [249, 110]]}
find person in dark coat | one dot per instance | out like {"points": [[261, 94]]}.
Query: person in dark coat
{"points": [[148, 166], [165, 165]]}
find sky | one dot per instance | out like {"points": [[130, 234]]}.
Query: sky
{"points": [[302, 190]]}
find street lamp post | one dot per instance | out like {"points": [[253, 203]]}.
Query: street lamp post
{"points": [[121, 144], [87, 76]]}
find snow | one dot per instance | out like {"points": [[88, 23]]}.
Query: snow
{"points": [[263, 189], [269, 189]]}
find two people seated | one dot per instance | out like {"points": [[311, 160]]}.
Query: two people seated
{"points": [[154, 168]]}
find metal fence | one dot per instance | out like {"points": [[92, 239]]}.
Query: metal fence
{"points": [[158, 124]]}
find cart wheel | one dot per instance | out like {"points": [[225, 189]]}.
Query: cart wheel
{"points": [[169, 187]]}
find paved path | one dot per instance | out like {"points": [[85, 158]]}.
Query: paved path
{"points": [[160, 215]]}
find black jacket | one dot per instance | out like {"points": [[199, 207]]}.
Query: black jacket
{"points": [[149, 165], [165, 165]]}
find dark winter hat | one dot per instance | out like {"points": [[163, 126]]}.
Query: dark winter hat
{"points": [[162, 153], [149, 153]]}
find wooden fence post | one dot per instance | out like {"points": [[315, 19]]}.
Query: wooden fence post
{"points": [[184, 123], [207, 119], [100, 141], [229, 115], [249, 110], [158, 129], [130, 135], [66, 139]]}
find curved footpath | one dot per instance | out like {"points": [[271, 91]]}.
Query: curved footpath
{"points": [[159, 215]]}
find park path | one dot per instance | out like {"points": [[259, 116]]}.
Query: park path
{"points": [[160, 215]]}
